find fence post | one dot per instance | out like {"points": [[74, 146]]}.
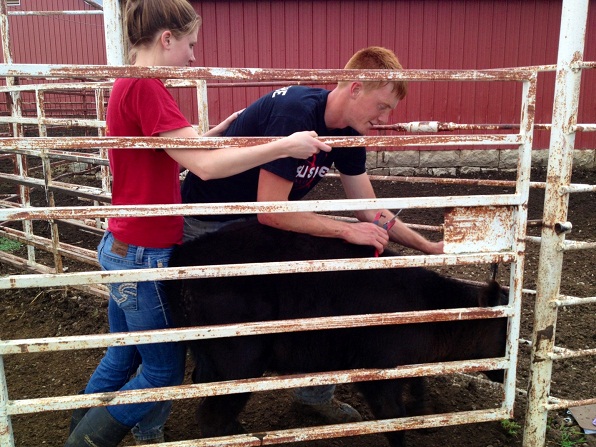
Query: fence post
{"points": [[114, 32], [571, 44], [6, 436]]}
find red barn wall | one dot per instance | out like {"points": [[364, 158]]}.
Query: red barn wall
{"points": [[425, 34], [56, 39]]}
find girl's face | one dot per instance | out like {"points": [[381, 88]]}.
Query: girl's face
{"points": [[179, 51]]}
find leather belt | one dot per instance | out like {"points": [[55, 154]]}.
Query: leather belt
{"points": [[119, 248]]}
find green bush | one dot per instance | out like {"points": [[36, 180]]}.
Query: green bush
{"points": [[8, 245]]}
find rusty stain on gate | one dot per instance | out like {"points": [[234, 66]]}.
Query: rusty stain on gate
{"points": [[477, 230]]}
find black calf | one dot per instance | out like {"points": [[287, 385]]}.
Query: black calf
{"points": [[286, 296]]}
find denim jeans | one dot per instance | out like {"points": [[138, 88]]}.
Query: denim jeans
{"points": [[151, 427], [136, 307]]}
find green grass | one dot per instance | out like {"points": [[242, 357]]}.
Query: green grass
{"points": [[571, 437], [8, 245], [511, 427]]}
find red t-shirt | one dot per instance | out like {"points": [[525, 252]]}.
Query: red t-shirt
{"points": [[144, 107]]}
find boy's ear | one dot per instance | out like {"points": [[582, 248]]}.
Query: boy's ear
{"points": [[355, 88]]}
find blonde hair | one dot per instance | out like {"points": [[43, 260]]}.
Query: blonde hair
{"points": [[378, 58], [146, 18]]}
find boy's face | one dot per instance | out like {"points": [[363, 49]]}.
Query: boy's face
{"points": [[370, 107]]}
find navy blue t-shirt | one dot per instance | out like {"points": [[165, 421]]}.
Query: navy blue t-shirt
{"points": [[279, 113]]}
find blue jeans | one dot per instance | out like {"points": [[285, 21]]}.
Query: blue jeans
{"points": [[151, 427], [136, 307]]}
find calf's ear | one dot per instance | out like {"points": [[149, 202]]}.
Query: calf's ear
{"points": [[491, 295]]}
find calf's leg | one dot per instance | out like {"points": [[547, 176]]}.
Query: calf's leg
{"points": [[218, 415], [419, 403], [385, 399], [222, 360]]}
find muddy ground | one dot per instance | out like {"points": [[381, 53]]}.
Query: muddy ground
{"points": [[30, 313]]}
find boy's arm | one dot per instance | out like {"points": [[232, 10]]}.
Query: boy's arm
{"points": [[360, 187], [273, 188]]}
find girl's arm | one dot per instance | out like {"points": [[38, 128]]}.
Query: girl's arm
{"points": [[218, 163]]}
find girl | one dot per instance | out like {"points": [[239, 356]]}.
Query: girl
{"points": [[161, 33]]}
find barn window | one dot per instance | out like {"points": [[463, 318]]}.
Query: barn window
{"points": [[13, 2]]}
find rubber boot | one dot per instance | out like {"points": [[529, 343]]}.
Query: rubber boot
{"points": [[77, 415], [97, 429]]}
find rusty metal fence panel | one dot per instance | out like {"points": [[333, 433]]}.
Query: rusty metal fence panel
{"points": [[491, 208]]}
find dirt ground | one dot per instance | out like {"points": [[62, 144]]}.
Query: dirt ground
{"points": [[30, 313]]}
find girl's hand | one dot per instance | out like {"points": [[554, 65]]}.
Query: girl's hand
{"points": [[303, 145], [223, 126]]}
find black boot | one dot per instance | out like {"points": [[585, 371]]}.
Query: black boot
{"points": [[77, 415], [98, 429]]}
